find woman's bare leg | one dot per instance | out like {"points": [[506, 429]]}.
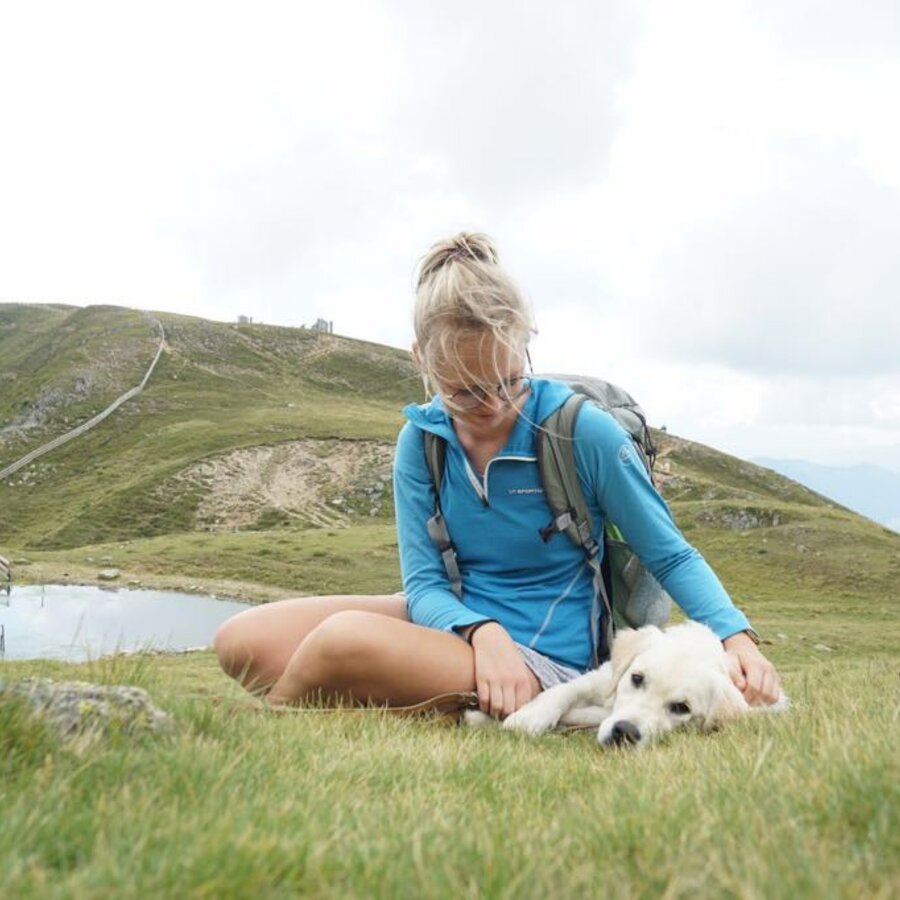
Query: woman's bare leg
{"points": [[254, 646], [358, 648], [370, 657]]}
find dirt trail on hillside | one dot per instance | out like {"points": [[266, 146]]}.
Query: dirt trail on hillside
{"points": [[320, 483]]}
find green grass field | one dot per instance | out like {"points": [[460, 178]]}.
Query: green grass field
{"points": [[239, 803]]}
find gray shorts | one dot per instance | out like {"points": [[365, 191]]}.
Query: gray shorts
{"points": [[548, 672]]}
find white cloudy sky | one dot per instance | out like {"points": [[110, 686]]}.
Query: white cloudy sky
{"points": [[702, 199]]}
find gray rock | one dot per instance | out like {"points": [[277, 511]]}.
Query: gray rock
{"points": [[108, 574], [741, 520], [77, 709]]}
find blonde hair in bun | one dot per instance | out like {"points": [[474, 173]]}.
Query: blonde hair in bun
{"points": [[463, 293]]}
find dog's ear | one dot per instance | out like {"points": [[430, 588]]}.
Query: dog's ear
{"points": [[728, 704], [628, 643]]}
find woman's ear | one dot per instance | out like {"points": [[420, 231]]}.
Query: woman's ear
{"points": [[628, 643]]}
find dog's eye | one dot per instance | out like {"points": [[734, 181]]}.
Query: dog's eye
{"points": [[637, 679], [679, 709]]}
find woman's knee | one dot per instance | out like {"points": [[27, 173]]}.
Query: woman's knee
{"points": [[342, 648], [245, 654], [230, 646]]}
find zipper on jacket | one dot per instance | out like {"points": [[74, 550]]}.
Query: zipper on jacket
{"points": [[475, 481], [481, 486]]}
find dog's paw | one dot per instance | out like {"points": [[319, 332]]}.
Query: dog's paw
{"points": [[475, 718], [530, 719]]}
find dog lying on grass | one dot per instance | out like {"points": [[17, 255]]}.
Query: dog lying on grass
{"points": [[656, 681]]}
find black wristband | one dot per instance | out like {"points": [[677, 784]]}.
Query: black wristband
{"points": [[475, 628]]}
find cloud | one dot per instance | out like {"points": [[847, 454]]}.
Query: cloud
{"points": [[830, 399], [801, 278], [480, 111], [864, 28], [512, 99]]}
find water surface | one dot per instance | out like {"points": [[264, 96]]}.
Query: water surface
{"points": [[77, 622]]}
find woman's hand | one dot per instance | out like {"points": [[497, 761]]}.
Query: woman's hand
{"points": [[503, 681], [753, 675]]}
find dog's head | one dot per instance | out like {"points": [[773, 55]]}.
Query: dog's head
{"points": [[668, 679]]}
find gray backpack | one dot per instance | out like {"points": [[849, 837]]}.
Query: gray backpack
{"points": [[629, 594]]}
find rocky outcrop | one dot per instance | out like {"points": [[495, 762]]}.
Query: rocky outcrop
{"points": [[742, 519], [88, 712]]}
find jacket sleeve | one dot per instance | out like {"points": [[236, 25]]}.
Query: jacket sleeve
{"points": [[429, 599], [616, 477]]}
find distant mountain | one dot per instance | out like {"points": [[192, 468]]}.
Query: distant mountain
{"points": [[871, 490]]}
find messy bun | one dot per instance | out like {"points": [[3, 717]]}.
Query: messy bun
{"points": [[462, 292], [465, 247]]}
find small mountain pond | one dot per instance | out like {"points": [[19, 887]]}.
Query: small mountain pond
{"points": [[76, 622]]}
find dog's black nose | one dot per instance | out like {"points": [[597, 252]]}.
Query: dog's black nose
{"points": [[624, 733]]}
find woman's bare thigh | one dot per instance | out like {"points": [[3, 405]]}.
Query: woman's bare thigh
{"points": [[256, 644]]}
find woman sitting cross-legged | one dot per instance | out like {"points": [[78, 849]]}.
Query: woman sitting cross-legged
{"points": [[523, 621]]}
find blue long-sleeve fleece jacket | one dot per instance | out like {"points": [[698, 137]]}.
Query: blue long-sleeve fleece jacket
{"points": [[540, 592]]}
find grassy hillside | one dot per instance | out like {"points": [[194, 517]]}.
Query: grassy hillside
{"points": [[217, 388], [59, 365], [254, 465]]}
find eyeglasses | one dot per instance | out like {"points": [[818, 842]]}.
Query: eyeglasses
{"points": [[508, 390]]}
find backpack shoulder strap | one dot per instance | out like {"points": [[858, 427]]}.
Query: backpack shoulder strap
{"points": [[435, 457], [435, 452], [562, 489], [559, 475]]}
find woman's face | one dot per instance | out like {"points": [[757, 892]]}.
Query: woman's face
{"points": [[482, 365]]}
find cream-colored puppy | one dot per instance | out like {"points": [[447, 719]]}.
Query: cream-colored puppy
{"points": [[655, 681]]}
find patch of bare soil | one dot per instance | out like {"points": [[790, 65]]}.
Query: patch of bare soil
{"points": [[312, 482]]}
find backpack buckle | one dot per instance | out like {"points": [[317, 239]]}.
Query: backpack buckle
{"points": [[557, 524]]}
